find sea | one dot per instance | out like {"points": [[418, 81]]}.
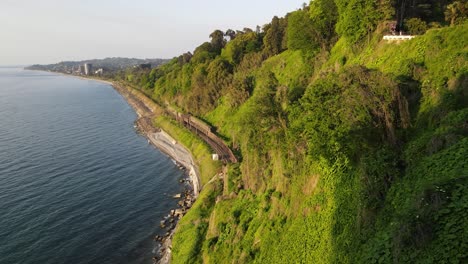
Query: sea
{"points": [[78, 184]]}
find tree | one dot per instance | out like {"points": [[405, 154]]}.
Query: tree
{"points": [[203, 53], [198, 99], [247, 30], [185, 58], [245, 43], [231, 34], [217, 41], [300, 32], [358, 18], [219, 74], [273, 40], [240, 90], [456, 12], [426, 10], [258, 29], [324, 15], [415, 26]]}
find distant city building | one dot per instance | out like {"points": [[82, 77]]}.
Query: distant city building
{"points": [[81, 69], [88, 68]]}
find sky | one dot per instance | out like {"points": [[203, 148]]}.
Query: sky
{"points": [[50, 31]]}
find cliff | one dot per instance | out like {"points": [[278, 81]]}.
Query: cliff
{"points": [[348, 152]]}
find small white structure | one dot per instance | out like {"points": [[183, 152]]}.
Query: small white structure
{"points": [[215, 156], [99, 71], [398, 37]]}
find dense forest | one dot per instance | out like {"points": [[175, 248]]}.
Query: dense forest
{"points": [[352, 149]]}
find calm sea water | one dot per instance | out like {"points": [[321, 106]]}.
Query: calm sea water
{"points": [[77, 183]]}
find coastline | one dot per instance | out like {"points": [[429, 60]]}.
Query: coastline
{"points": [[181, 155], [145, 109], [159, 138]]}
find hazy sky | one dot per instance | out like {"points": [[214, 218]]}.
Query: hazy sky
{"points": [[49, 31]]}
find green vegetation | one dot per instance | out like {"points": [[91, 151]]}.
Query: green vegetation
{"points": [[352, 149], [200, 150]]}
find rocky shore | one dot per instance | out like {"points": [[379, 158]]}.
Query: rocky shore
{"points": [[146, 111]]}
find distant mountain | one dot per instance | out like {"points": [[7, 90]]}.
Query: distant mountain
{"points": [[108, 64]]}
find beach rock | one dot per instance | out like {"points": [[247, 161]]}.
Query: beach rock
{"points": [[178, 212]]}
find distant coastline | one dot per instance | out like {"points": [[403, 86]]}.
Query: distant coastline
{"points": [[169, 146], [12, 66], [166, 144]]}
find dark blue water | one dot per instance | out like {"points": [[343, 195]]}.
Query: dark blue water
{"points": [[77, 183]]}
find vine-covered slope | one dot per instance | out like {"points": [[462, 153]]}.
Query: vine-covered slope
{"points": [[352, 149]]}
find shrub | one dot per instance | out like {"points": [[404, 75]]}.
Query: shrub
{"points": [[415, 26]]}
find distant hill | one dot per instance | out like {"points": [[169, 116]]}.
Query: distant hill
{"points": [[108, 64]]}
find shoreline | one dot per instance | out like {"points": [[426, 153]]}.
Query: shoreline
{"points": [[170, 147], [181, 155]]}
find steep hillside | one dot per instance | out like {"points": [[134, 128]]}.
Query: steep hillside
{"points": [[353, 149]]}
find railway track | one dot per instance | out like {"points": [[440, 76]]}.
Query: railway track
{"points": [[223, 151], [200, 128]]}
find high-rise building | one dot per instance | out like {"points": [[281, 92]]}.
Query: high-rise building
{"points": [[88, 68], [81, 69]]}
